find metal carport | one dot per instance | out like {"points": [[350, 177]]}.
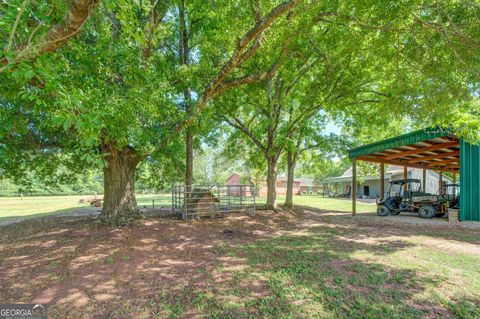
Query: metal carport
{"points": [[435, 149]]}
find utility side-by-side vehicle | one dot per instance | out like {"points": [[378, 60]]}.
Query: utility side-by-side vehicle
{"points": [[406, 195], [450, 194]]}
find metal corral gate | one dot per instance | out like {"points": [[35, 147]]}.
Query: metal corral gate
{"points": [[199, 200]]}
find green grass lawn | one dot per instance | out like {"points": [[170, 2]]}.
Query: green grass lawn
{"points": [[37, 206], [157, 200], [335, 272], [12, 207], [338, 204], [47, 205]]}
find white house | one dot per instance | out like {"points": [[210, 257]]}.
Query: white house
{"points": [[369, 186]]}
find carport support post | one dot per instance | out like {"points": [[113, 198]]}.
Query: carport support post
{"points": [[382, 181], [424, 180], [354, 187], [405, 176]]}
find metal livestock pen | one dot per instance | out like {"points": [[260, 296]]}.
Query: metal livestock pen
{"points": [[203, 200]]}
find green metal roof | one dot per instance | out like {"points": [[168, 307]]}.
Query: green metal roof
{"points": [[398, 141]]}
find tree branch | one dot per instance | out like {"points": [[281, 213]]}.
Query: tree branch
{"points": [[305, 68], [236, 123], [237, 57], [78, 13], [15, 25], [257, 14], [155, 16], [253, 78]]}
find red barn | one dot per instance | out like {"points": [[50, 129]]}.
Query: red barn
{"points": [[233, 186], [300, 186]]}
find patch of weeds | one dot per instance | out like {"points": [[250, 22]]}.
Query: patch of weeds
{"points": [[215, 304], [221, 249], [316, 272], [398, 277], [154, 309], [376, 276], [340, 280], [126, 258], [53, 264], [237, 282], [109, 260], [174, 310], [167, 305], [463, 308], [272, 307]]}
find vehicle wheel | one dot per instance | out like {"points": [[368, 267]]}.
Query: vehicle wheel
{"points": [[383, 210], [440, 215], [427, 211]]}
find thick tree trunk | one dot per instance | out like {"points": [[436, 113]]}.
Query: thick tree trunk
{"points": [[291, 159], [184, 56], [189, 159], [271, 183], [119, 202]]}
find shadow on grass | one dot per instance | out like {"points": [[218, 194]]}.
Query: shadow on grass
{"points": [[316, 276], [438, 229]]}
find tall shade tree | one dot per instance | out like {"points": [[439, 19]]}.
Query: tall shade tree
{"points": [[115, 94], [185, 33], [324, 70]]}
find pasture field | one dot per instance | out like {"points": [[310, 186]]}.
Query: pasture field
{"points": [[21, 207]]}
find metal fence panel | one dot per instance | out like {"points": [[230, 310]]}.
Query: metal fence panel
{"points": [[190, 201]]}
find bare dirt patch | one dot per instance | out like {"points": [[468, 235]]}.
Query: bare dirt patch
{"points": [[78, 267]]}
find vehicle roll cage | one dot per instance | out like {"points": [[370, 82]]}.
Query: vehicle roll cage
{"points": [[402, 182]]}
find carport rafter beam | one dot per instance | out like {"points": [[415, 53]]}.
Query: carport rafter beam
{"points": [[448, 161], [430, 157], [455, 166], [421, 150], [401, 163], [382, 160]]}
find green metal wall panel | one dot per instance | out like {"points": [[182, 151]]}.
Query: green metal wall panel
{"points": [[402, 140], [469, 181]]}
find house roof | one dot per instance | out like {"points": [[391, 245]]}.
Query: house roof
{"points": [[392, 170], [302, 181]]}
